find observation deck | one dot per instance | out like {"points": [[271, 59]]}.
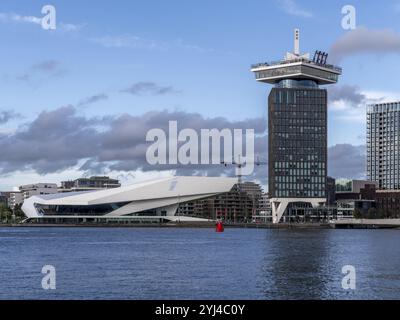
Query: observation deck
{"points": [[298, 67]]}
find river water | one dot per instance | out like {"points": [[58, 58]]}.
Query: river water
{"points": [[169, 263]]}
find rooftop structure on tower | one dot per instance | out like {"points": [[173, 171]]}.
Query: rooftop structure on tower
{"points": [[298, 66]]}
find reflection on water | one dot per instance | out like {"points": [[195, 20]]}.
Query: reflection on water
{"points": [[307, 264], [296, 264], [121, 263]]}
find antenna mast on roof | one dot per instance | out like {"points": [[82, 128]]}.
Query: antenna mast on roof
{"points": [[296, 42]]}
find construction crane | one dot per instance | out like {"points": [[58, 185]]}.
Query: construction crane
{"points": [[239, 164]]}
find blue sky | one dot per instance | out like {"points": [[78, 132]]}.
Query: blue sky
{"points": [[198, 52]]}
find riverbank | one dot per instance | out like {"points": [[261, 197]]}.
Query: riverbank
{"points": [[339, 224], [174, 225]]}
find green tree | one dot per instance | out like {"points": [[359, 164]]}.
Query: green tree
{"points": [[19, 214], [5, 213]]}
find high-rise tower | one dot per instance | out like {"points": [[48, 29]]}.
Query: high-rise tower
{"points": [[383, 145], [297, 127]]}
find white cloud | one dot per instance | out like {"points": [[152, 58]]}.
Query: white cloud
{"points": [[126, 41], [136, 42], [351, 115], [17, 18], [363, 40], [13, 17], [12, 181], [338, 105], [292, 8], [69, 27], [349, 111], [382, 96]]}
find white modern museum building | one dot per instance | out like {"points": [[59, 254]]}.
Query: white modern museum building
{"points": [[150, 201]]}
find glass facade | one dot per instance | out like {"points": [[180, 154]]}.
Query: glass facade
{"points": [[297, 141], [344, 185], [92, 210], [383, 147], [77, 210], [291, 83]]}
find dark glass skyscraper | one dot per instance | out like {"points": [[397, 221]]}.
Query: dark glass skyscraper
{"points": [[297, 142], [297, 128]]}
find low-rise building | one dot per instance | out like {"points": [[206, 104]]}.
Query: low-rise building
{"points": [[347, 208], [30, 190], [265, 213], [240, 204], [4, 198], [387, 203], [16, 198], [26, 191], [92, 183], [264, 202], [347, 189], [354, 197]]}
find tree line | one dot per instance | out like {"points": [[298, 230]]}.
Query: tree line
{"points": [[9, 216]]}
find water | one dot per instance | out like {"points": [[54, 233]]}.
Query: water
{"points": [[151, 263]]}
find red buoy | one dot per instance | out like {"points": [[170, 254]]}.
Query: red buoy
{"points": [[220, 227]]}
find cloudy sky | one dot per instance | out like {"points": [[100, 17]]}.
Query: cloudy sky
{"points": [[79, 100]]}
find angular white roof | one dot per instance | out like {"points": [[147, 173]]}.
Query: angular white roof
{"points": [[148, 194]]}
